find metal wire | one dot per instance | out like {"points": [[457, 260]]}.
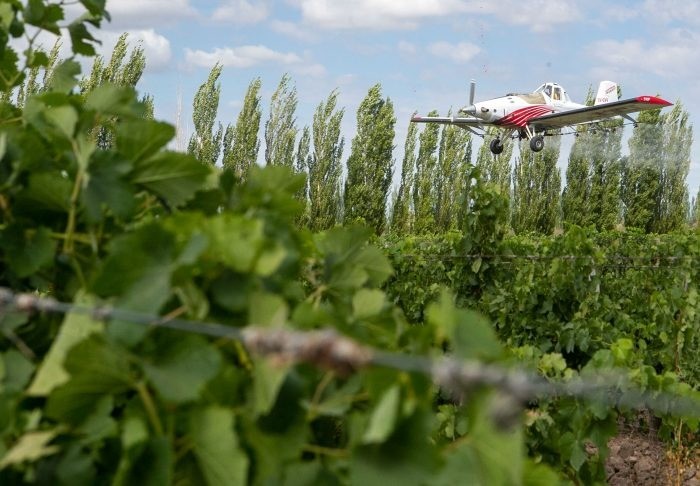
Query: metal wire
{"points": [[329, 350]]}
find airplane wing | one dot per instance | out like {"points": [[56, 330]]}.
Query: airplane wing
{"points": [[598, 112], [463, 121]]}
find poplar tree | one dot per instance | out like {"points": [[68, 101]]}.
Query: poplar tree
{"points": [[537, 189], [118, 70], [575, 198], [205, 143], [369, 167], [453, 157], [423, 195], [694, 217], [402, 214], [302, 161], [121, 71], [574, 202], [592, 193], [496, 169], [675, 149], [641, 173], [323, 165], [31, 84], [280, 127], [241, 143]]}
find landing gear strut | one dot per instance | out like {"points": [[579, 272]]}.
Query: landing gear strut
{"points": [[537, 143], [496, 146]]}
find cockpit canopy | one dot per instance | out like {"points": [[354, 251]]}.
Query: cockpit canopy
{"points": [[554, 91]]}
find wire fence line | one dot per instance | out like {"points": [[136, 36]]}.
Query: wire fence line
{"points": [[329, 350]]}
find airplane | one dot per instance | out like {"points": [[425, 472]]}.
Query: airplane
{"points": [[532, 116]]}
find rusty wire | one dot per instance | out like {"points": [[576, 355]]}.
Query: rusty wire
{"points": [[329, 350]]}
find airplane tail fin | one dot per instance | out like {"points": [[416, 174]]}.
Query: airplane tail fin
{"points": [[607, 92]]}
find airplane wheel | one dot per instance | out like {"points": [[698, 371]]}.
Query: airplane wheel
{"points": [[496, 146], [537, 143]]}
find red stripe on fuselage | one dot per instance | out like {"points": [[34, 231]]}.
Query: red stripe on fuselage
{"points": [[519, 118]]}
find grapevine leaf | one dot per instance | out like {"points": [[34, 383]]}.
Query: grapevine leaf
{"points": [[268, 310], [74, 329], [539, 475], [30, 447], [384, 417], [490, 456], [96, 8], [99, 425], [108, 373], [367, 303], [376, 264], [64, 76], [235, 240], [11, 76], [107, 188], [471, 335], [81, 38], [47, 191], [76, 467], [216, 447], [140, 139], [173, 176], [26, 252], [65, 118], [111, 99], [149, 463], [267, 381], [407, 458], [18, 371], [138, 270], [182, 366]]}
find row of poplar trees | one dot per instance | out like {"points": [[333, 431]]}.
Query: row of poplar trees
{"points": [[646, 189], [316, 150]]}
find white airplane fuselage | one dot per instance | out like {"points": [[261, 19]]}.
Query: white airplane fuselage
{"points": [[515, 110]]}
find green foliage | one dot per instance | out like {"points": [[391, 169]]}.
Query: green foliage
{"points": [[424, 201], [141, 228], [451, 182], [241, 143], [592, 193], [369, 168], [536, 190], [496, 169], [323, 165], [205, 143], [280, 128], [401, 215]]}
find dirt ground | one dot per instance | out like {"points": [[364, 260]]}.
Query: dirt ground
{"points": [[639, 458]]}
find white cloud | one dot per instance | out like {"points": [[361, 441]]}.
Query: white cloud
{"points": [[673, 10], [377, 14], [241, 12], [677, 55], [390, 14], [155, 46], [538, 15], [458, 53], [293, 30], [252, 55], [239, 57], [131, 14]]}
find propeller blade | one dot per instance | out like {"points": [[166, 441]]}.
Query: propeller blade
{"points": [[472, 90]]}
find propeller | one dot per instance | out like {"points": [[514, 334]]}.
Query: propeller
{"points": [[472, 90]]}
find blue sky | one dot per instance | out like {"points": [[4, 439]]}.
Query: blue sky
{"points": [[423, 52]]}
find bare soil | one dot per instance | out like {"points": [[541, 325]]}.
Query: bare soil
{"points": [[639, 458]]}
